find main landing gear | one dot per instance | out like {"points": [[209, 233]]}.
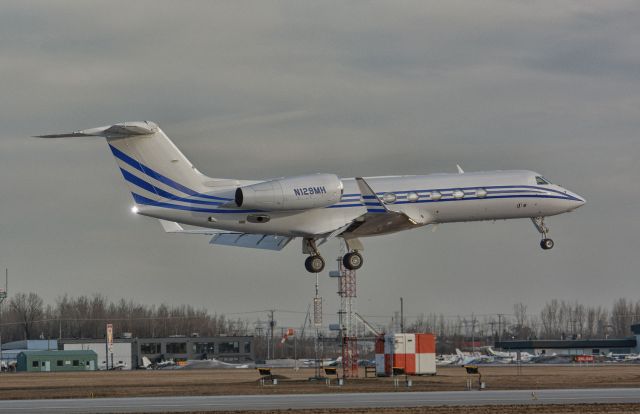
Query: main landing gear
{"points": [[352, 260], [546, 243], [315, 263]]}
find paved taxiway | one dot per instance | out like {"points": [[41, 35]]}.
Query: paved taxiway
{"points": [[330, 400]]}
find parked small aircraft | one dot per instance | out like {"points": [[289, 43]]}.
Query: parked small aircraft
{"points": [[268, 214]]}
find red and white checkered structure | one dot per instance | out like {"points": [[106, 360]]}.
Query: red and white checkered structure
{"points": [[414, 353]]}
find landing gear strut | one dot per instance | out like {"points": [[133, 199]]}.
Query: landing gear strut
{"points": [[546, 243], [314, 263], [352, 260]]}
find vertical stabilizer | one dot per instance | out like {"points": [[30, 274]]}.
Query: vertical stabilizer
{"points": [[152, 166]]}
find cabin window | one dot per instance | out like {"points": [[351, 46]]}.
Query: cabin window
{"points": [[412, 197], [389, 198], [59, 363], [76, 362], [435, 195], [542, 181], [34, 364]]}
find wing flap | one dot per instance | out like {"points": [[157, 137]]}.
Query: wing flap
{"points": [[253, 241]]}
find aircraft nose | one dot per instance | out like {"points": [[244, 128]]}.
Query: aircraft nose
{"points": [[578, 201]]}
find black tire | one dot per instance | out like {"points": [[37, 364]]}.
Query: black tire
{"points": [[546, 244], [314, 264], [352, 261]]}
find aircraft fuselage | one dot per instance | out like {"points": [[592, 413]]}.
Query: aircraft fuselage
{"points": [[431, 199]]}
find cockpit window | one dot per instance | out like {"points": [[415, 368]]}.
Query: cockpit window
{"points": [[542, 181]]}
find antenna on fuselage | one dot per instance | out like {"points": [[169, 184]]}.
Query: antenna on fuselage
{"points": [[460, 170]]}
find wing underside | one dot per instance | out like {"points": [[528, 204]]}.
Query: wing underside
{"points": [[236, 239], [253, 241]]}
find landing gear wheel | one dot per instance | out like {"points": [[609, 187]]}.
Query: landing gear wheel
{"points": [[546, 244], [352, 261], [314, 264]]}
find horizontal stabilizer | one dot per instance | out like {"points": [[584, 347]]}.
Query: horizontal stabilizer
{"points": [[254, 241], [125, 129], [171, 226]]}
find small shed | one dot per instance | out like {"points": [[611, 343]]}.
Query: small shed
{"points": [[45, 361], [412, 354]]}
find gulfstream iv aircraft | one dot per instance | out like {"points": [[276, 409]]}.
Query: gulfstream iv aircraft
{"points": [[268, 214]]}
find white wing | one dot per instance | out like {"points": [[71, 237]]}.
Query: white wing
{"points": [[228, 238]]}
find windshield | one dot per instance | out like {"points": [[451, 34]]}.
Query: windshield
{"points": [[542, 181]]}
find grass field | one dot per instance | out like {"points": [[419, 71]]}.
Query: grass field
{"points": [[245, 381], [488, 409]]}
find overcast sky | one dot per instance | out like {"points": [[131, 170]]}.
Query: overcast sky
{"points": [[262, 89]]}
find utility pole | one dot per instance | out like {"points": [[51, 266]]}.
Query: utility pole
{"points": [[272, 325], [3, 296], [492, 324], [401, 315]]}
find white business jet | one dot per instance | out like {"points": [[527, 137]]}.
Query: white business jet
{"points": [[268, 214]]}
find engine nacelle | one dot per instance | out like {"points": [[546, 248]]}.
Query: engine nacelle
{"points": [[291, 193]]}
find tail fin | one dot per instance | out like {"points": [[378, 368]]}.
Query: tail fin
{"points": [[153, 167]]}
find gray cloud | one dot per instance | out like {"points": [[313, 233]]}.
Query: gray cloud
{"points": [[264, 89]]}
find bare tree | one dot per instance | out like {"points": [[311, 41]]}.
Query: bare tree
{"points": [[28, 309], [622, 316]]}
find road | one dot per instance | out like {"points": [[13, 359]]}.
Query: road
{"points": [[337, 400]]}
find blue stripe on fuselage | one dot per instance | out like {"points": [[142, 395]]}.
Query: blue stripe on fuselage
{"points": [[159, 177], [162, 193], [148, 202]]}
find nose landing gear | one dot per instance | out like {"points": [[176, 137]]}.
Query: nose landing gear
{"points": [[546, 243]]}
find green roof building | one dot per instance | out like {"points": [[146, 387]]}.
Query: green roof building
{"points": [[45, 361]]}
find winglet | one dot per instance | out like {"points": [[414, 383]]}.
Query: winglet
{"points": [[371, 200], [460, 170], [171, 226]]}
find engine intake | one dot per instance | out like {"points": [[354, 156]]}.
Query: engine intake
{"points": [[291, 193]]}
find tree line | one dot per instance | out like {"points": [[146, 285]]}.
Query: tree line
{"points": [[26, 316], [558, 319]]}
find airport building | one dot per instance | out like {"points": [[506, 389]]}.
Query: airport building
{"points": [[128, 353], [9, 351], [222, 348], [122, 355], [629, 345], [47, 361]]}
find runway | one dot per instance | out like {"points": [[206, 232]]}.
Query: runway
{"points": [[329, 400]]}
